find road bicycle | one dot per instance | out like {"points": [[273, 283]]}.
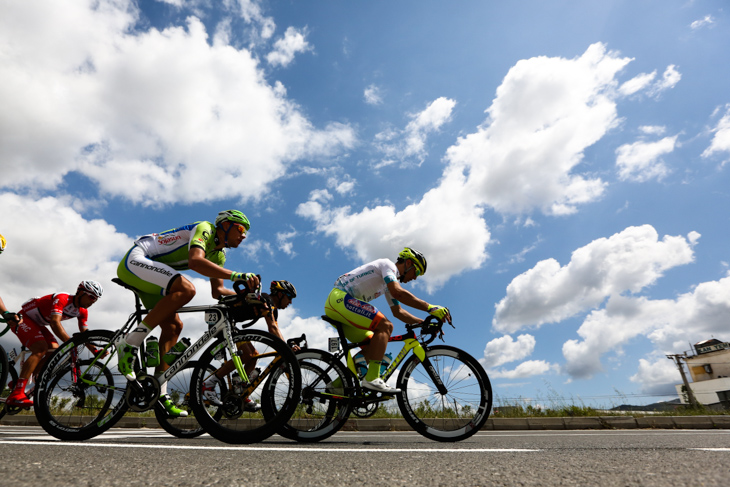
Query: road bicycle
{"points": [[80, 392], [445, 393]]}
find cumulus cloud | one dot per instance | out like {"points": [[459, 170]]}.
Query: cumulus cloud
{"points": [[721, 139], [637, 83], [504, 350], [293, 42], [152, 116], [524, 157], [647, 83], [657, 376], [668, 323], [641, 161], [410, 143], [627, 261]]}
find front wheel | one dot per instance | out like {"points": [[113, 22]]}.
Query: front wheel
{"points": [[450, 413], [79, 396], [242, 420], [13, 376]]}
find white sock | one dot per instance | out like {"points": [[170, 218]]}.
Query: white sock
{"points": [[137, 336]]}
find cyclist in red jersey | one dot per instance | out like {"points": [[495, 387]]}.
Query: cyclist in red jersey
{"points": [[38, 315]]}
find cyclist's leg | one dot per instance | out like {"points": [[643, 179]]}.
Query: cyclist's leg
{"points": [[36, 339], [162, 290], [362, 320]]}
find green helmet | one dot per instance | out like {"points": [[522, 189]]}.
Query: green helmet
{"points": [[234, 216], [416, 257]]}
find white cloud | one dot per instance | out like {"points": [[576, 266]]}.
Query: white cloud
{"points": [[153, 116], [373, 95], [546, 113], [504, 350], [653, 129], [637, 83], [641, 161], [283, 239], [669, 80], [627, 261], [707, 20], [721, 139], [525, 369], [657, 377], [341, 187], [293, 42], [410, 143]]}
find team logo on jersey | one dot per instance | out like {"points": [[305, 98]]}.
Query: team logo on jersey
{"points": [[168, 239], [359, 307]]}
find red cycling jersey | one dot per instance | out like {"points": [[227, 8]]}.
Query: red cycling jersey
{"points": [[37, 312]]}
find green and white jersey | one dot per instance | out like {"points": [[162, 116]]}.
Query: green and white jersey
{"points": [[172, 247]]}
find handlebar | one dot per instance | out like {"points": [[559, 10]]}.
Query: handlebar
{"points": [[300, 342], [431, 327]]}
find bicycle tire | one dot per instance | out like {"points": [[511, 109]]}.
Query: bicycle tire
{"points": [[13, 375], [453, 416], [317, 416], [56, 389], [237, 425], [178, 387], [4, 366]]}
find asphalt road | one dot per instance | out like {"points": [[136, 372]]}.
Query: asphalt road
{"points": [[129, 457]]}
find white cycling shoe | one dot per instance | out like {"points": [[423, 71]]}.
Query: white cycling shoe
{"points": [[379, 385]]}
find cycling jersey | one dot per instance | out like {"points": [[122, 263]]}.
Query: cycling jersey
{"points": [[37, 312], [370, 281], [348, 301], [152, 264]]}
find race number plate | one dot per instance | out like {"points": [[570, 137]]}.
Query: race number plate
{"points": [[334, 344]]}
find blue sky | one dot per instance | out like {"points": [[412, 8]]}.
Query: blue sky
{"points": [[561, 164]]}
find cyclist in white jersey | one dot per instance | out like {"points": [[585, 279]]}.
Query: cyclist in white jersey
{"points": [[348, 303]]}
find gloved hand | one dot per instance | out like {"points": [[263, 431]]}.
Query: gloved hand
{"points": [[439, 312], [12, 318], [240, 276]]}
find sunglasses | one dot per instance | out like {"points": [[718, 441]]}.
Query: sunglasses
{"points": [[240, 228]]}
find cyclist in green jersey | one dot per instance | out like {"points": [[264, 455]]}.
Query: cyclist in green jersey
{"points": [[152, 266]]}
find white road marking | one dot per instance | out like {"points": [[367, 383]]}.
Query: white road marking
{"points": [[275, 448]]}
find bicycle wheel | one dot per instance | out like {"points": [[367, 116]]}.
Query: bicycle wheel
{"points": [[13, 376], [239, 422], [463, 405], [3, 370], [325, 404], [77, 397], [179, 390]]}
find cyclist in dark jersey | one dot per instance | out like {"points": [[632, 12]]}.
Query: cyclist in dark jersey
{"points": [[152, 266], [282, 293]]}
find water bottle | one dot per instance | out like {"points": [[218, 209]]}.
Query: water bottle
{"points": [[176, 351], [361, 365], [237, 384], [387, 359], [152, 352], [253, 375]]}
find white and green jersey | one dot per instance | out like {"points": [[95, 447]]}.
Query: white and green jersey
{"points": [[369, 281], [172, 247]]}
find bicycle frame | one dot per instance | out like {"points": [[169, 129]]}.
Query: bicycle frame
{"points": [[410, 344]]}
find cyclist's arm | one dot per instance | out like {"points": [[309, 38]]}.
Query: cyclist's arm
{"points": [[83, 326], [218, 289], [198, 263], [406, 297], [58, 328]]}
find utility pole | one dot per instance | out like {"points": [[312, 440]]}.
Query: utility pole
{"points": [[677, 359]]}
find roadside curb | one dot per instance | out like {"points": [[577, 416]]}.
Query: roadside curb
{"points": [[493, 424]]}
